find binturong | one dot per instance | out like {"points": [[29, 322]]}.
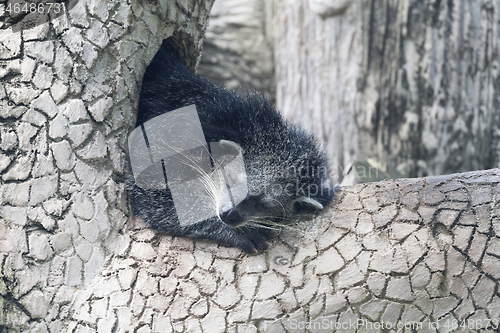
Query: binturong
{"points": [[276, 173]]}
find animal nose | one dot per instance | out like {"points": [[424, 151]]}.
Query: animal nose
{"points": [[231, 218]]}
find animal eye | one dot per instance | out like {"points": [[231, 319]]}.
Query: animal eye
{"points": [[306, 205], [300, 207], [262, 205]]}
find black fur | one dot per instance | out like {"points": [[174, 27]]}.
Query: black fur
{"points": [[269, 144]]}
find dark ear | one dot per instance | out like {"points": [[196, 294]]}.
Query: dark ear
{"points": [[305, 205]]}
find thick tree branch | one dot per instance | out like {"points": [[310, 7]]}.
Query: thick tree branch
{"points": [[421, 252]]}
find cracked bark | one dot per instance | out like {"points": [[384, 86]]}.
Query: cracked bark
{"points": [[68, 98], [414, 250]]}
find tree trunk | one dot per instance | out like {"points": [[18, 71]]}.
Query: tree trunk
{"points": [[237, 52], [411, 83], [68, 97]]}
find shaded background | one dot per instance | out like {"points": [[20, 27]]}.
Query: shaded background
{"points": [[409, 86]]}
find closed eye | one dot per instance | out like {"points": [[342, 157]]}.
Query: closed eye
{"points": [[306, 205], [301, 208]]}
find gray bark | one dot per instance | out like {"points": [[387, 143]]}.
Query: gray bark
{"points": [[68, 97], [421, 252], [237, 53], [411, 83], [72, 260]]}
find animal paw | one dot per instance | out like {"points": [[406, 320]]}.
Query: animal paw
{"points": [[253, 240]]}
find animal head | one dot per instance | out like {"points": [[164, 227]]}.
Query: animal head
{"points": [[277, 187]]}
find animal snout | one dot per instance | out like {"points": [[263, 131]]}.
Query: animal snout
{"points": [[231, 217]]}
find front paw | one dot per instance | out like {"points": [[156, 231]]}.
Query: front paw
{"points": [[253, 239]]}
